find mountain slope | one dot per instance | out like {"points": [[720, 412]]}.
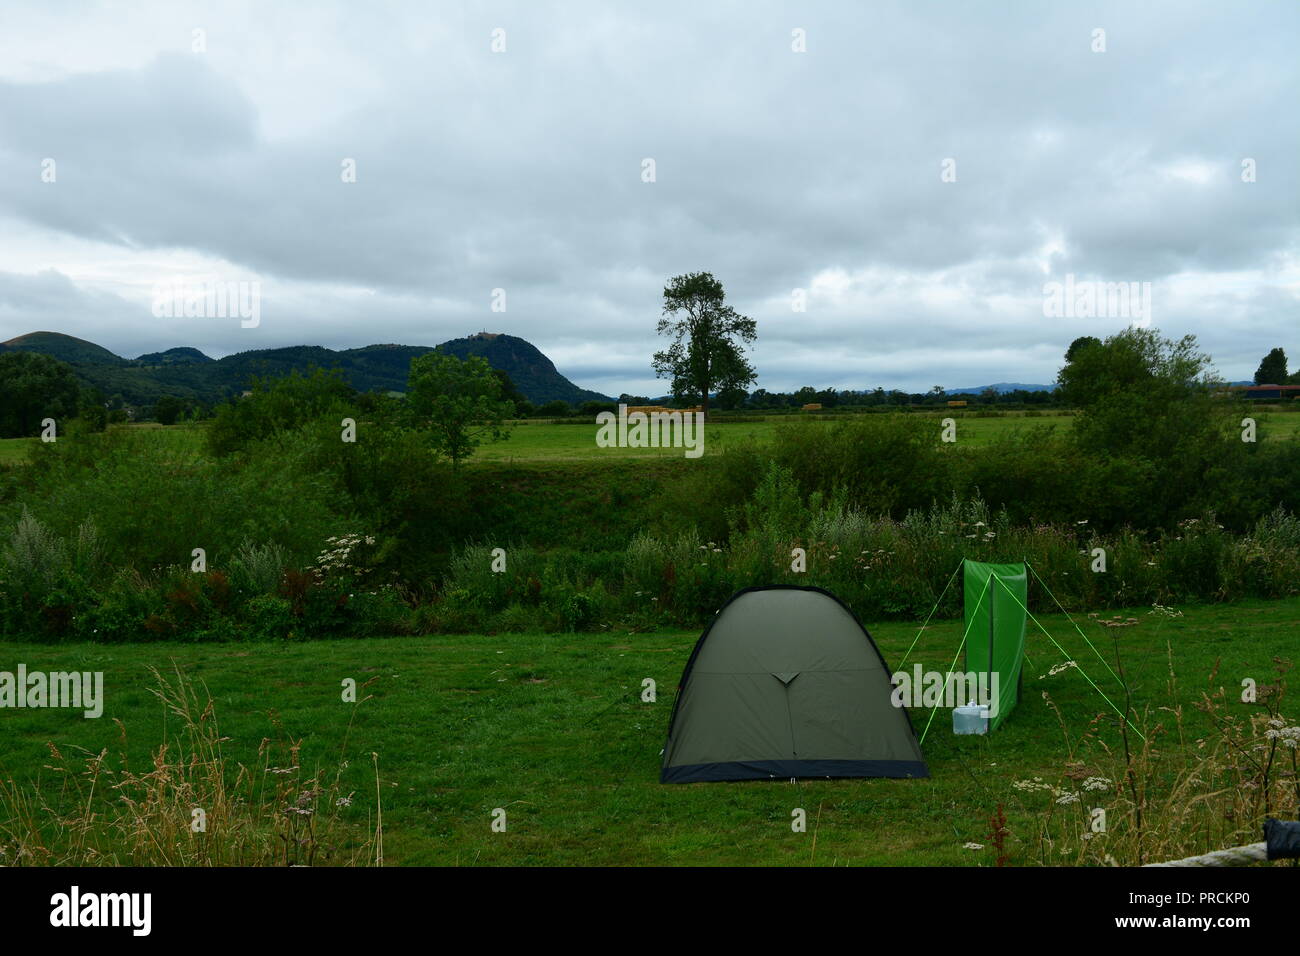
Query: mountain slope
{"points": [[65, 348], [1001, 388], [531, 371], [177, 356], [188, 373]]}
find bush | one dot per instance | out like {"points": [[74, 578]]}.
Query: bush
{"points": [[277, 406]]}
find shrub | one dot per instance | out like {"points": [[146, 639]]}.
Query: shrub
{"points": [[258, 569]]}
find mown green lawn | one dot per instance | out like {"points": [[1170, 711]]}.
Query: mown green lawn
{"points": [[552, 729]]}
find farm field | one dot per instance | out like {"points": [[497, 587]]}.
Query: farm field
{"points": [[552, 729], [187, 437], [540, 441]]}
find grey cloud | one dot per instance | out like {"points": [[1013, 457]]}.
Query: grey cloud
{"points": [[521, 171]]}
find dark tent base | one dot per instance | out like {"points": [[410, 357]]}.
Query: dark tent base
{"points": [[785, 769]]}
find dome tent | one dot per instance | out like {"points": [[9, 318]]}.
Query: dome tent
{"points": [[786, 682]]}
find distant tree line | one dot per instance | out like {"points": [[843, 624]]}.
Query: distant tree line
{"points": [[34, 387]]}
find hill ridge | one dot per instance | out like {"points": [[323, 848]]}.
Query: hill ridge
{"points": [[189, 373]]}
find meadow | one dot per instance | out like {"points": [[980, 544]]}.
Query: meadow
{"points": [[543, 440], [518, 687], [552, 729]]}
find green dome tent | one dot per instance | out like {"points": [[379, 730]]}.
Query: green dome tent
{"points": [[786, 682]]}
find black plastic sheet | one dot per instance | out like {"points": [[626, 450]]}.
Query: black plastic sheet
{"points": [[1282, 838]]}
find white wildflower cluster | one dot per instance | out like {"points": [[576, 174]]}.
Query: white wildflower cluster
{"points": [[1096, 783], [869, 560], [1039, 785], [1288, 737], [337, 558], [1164, 611], [1116, 621], [972, 846], [1063, 666]]}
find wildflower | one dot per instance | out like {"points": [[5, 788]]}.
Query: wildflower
{"points": [[972, 846], [1063, 666]]}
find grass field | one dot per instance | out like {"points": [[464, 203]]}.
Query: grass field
{"points": [[187, 437], [552, 729], [541, 441]]}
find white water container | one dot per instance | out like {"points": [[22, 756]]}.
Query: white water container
{"points": [[970, 719]]}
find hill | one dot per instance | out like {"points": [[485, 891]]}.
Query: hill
{"points": [[1001, 388], [188, 373], [178, 356], [531, 371], [65, 348]]}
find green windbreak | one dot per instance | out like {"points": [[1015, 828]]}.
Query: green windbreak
{"points": [[995, 601]]}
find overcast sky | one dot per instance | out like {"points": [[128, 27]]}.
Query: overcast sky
{"points": [[219, 155]]}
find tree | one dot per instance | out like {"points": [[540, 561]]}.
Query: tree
{"points": [[167, 409], [94, 410], [34, 387], [461, 403], [1142, 394], [1082, 342], [706, 351], [731, 397], [509, 392], [279, 405], [1272, 371]]}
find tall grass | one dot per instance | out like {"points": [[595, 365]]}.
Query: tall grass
{"points": [[190, 807], [1163, 792]]}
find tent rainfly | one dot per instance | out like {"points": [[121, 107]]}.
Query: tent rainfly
{"points": [[995, 608], [786, 682]]}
